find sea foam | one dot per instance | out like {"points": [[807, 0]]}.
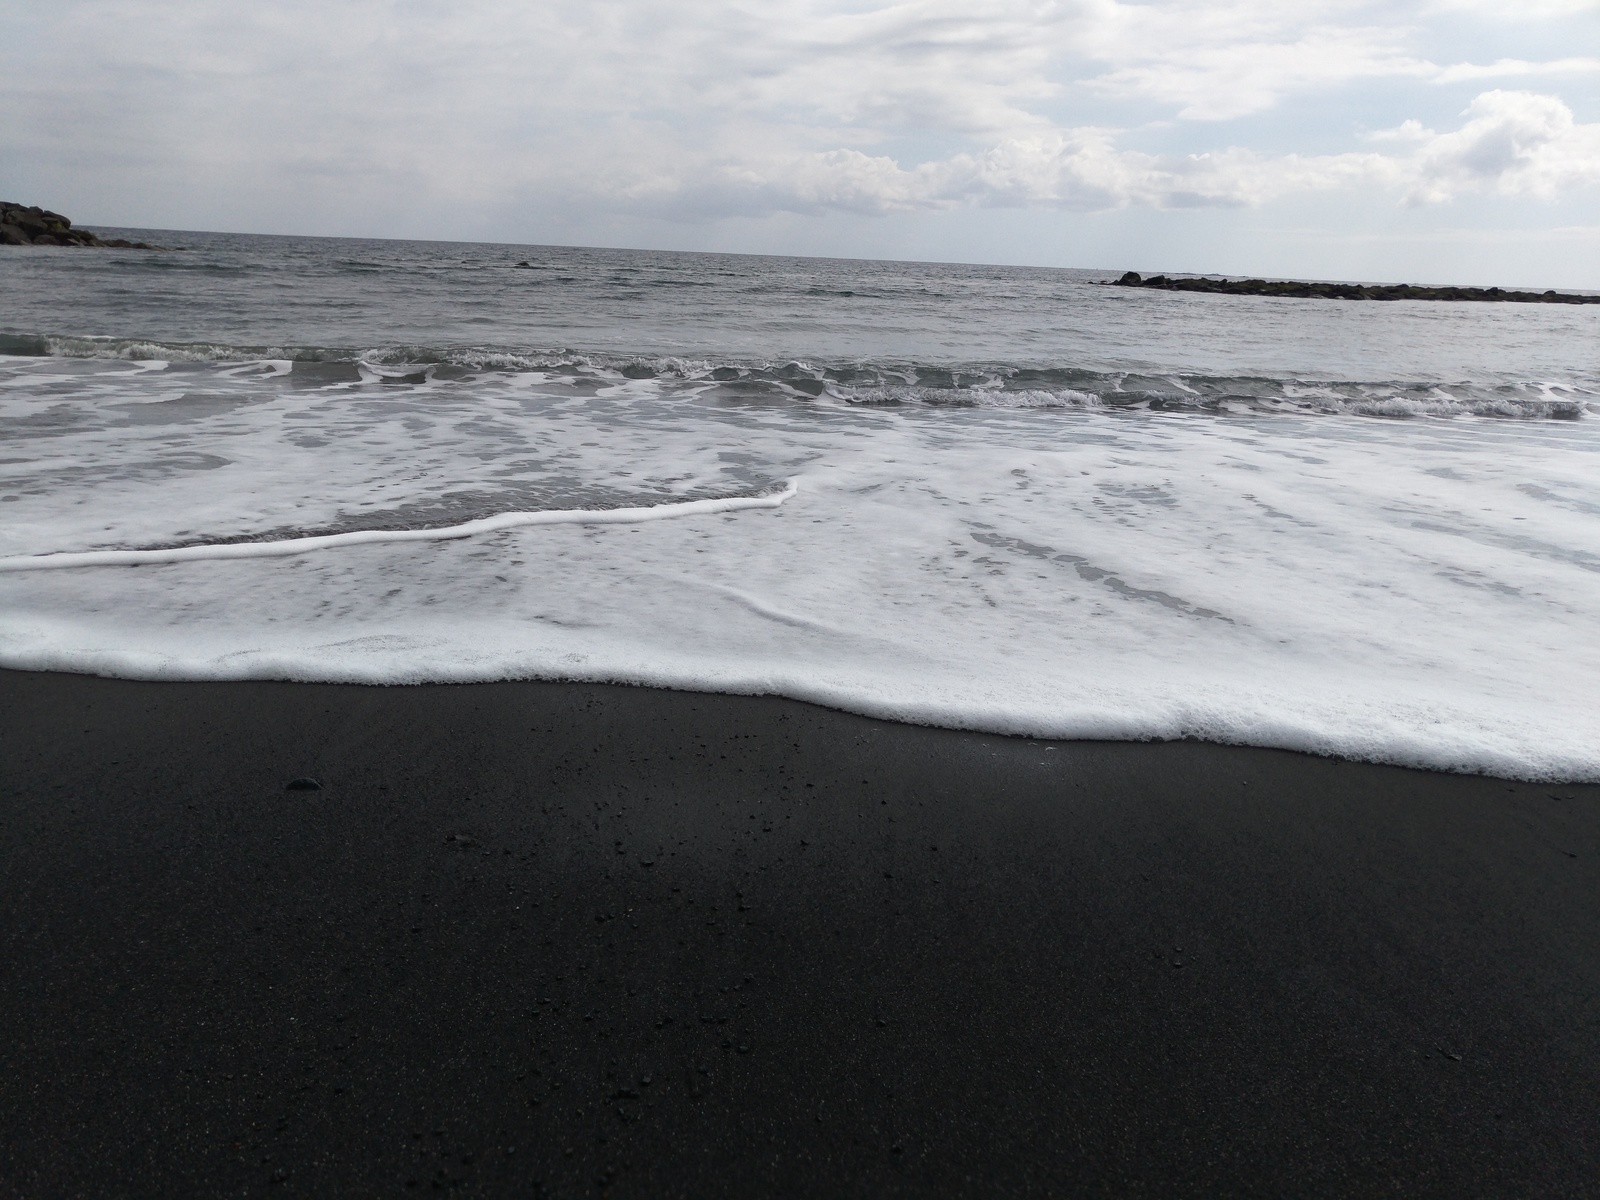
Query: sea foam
{"points": [[1418, 592], [284, 547]]}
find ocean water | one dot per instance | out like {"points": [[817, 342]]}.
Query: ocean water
{"points": [[990, 498]]}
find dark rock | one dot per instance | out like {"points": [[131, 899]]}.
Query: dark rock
{"points": [[30, 220], [34, 226], [1348, 291], [638, 371]]}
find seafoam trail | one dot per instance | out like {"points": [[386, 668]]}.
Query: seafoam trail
{"points": [[285, 547]]}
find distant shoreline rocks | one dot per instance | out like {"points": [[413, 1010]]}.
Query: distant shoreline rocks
{"points": [[1344, 291], [25, 225]]}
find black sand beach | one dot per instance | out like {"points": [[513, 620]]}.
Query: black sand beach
{"points": [[578, 940]]}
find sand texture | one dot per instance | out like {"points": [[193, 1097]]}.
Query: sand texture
{"points": [[579, 940]]}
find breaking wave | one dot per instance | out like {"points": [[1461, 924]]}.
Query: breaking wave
{"points": [[870, 384]]}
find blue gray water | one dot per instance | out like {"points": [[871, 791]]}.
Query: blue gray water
{"points": [[945, 327], [990, 497]]}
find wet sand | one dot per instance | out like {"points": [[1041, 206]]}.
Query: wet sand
{"points": [[573, 940]]}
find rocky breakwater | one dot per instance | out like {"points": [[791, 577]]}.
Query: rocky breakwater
{"points": [[21, 225], [1345, 291]]}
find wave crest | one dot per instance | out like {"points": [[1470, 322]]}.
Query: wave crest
{"points": [[972, 385]]}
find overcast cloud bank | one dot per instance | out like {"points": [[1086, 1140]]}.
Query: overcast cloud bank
{"points": [[520, 119]]}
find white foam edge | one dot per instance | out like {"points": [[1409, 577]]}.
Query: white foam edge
{"points": [[1408, 743], [290, 546]]}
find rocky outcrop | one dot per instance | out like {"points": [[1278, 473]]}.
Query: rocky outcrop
{"points": [[1345, 291], [24, 226]]}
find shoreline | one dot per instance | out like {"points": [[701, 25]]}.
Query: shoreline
{"points": [[579, 939]]}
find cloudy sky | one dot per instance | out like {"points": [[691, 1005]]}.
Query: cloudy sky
{"points": [[1442, 140]]}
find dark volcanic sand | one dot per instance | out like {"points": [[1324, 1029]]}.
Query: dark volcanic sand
{"points": [[868, 959]]}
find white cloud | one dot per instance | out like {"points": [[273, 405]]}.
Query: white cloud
{"points": [[1522, 10], [1501, 68], [395, 111], [1213, 61], [1512, 144]]}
